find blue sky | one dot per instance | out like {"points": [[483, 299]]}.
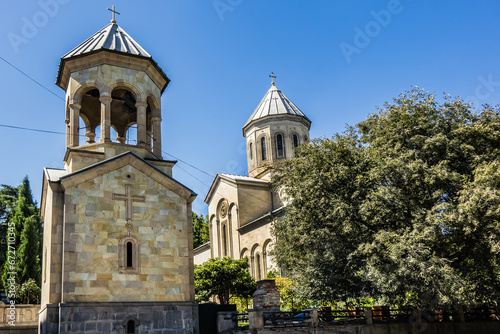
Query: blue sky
{"points": [[336, 60]]}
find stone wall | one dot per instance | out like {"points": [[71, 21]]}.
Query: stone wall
{"points": [[202, 254], [112, 318], [21, 319], [94, 226]]}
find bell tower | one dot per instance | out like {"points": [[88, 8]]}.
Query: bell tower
{"points": [[118, 239], [273, 131], [113, 98]]}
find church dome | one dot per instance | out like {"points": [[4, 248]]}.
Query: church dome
{"points": [[275, 103], [110, 38]]}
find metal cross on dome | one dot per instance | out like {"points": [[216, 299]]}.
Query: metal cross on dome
{"points": [[114, 12], [272, 76]]}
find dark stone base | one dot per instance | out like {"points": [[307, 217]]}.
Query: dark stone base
{"points": [[91, 318]]}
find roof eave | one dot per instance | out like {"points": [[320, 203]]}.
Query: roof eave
{"points": [[303, 119], [63, 61]]}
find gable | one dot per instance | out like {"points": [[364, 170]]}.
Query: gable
{"points": [[127, 159]]}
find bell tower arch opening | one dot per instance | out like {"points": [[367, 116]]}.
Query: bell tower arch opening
{"points": [[123, 112]]}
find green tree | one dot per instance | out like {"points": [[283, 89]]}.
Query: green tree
{"points": [[200, 230], [403, 204], [223, 278], [323, 224], [29, 292], [23, 239], [290, 299], [8, 198], [29, 261]]}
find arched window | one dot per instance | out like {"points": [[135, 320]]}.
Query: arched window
{"points": [[295, 141], [263, 147], [257, 265], [224, 239], [131, 326], [129, 254], [251, 151], [279, 146]]}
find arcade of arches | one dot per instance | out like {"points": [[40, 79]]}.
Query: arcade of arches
{"points": [[116, 111]]}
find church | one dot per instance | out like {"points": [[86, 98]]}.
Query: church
{"points": [[242, 208], [117, 239]]}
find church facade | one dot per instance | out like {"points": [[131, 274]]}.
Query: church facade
{"points": [[242, 208], [117, 245]]}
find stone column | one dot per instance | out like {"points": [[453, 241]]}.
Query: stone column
{"points": [[141, 123], [369, 315], [314, 318], [66, 120], [105, 117], [156, 125], [121, 139], [74, 123], [255, 321], [266, 297], [90, 134], [227, 321]]}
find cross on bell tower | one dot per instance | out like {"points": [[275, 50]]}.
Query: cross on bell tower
{"points": [[114, 12]]}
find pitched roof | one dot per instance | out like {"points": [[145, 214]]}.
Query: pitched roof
{"points": [[111, 38], [275, 103], [235, 179], [242, 178]]}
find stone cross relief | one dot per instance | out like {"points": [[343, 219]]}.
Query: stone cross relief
{"points": [[129, 200]]}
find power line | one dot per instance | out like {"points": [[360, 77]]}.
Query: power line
{"points": [[180, 160], [26, 75], [63, 133], [31, 129], [194, 167]]}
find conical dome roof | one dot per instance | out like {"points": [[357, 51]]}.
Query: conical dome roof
{"points": [[111, 38], [275, 103]]}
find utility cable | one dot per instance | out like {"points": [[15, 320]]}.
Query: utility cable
{"points": [[26, 75], [63, 133]]}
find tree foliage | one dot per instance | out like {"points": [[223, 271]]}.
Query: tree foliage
{"points": [[223, 278], [8, 198], [22, 233], [404, 205], [290, 299], [200, 230], [29, 292]]}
